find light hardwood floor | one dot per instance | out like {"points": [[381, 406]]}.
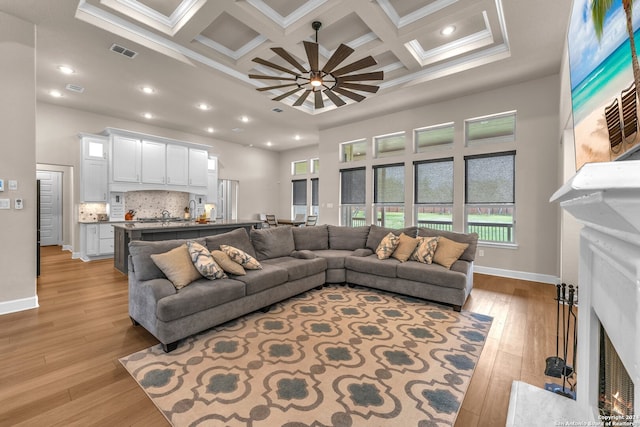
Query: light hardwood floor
{"points": [[60, 361]]}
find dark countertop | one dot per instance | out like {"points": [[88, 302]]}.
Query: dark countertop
{"points": [[182, 225]]}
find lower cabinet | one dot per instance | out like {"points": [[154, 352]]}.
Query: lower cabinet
{"points": [[98, 239]]}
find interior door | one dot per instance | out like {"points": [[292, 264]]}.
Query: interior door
{"points": [[50, 207]]}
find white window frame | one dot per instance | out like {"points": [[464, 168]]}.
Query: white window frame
{"points": [[440, 145], [385, 154], [490, 139]]}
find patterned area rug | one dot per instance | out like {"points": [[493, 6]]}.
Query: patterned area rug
{"points": [[338, 356]]}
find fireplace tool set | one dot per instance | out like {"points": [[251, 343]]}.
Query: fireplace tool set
{"points": [[557, 366]]}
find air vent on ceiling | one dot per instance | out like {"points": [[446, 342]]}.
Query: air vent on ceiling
{"points": [[123, 51], [277, 110], [74, 88]]}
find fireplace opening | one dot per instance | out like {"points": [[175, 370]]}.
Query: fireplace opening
{"points": [[616, 386]]}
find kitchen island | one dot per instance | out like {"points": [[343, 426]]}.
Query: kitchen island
{"points": [[167, 230]]}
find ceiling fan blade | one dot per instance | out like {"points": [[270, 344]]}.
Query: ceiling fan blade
{"points": [[358, 86], [341, 53], [355, 66], [319, 103], [274, 66], [262, 89], [349, 94], [290, 59], [285, 95], [261, 76], [312, 54], [334, 98], [302, 98], [376, 75]]}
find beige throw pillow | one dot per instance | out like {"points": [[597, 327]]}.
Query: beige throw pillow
{"points": [[448, 251], [204, 262], [241, 257], [227, 264], [405, 248], [386, 247], [177, 266], [425, 250]]}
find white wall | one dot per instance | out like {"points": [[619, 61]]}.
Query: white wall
{"points": [[537, 166], [58, 144], [17, 162]]}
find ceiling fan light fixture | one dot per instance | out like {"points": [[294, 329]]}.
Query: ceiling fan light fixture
{"points": [[316, 79]]}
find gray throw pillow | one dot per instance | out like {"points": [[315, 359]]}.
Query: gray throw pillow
{"points": [[272, 242]]}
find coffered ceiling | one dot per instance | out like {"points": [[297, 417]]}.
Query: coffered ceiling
{"points": [[200, 52]]}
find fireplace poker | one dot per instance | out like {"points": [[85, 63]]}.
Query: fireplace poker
{"points": [[555, 364]]}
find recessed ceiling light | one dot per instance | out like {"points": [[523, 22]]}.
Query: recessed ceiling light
{"points": [[269, 143], [244, 119], [65, 69], [148, 116], [203, 106], [297, 137], [55, 93], [148, 90], [210, 129], [448, 30]]}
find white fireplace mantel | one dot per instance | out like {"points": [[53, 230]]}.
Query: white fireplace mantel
{"points": [[605, 197]]}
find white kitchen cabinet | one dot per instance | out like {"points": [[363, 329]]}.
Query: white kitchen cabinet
{"points": [[126, 159], [198, 167], [94, 169], [177, 165], [105, 235], [153, 162], [92, 241], [98, 240]]}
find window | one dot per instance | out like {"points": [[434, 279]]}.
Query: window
{"points": [[300, 167], [389, 145], [433, 136], [315, 165], [490, 196], [352, 197], [388, 195], [433, 198], [314, 196], [354, 150], [299, 191], [494, 128]]}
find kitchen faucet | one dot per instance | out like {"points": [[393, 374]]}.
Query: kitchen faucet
{"points": [[165, 214], [192, 212]]}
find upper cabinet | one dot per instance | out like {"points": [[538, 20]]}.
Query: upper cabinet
{"points": [[155, 163], [94, 184]]}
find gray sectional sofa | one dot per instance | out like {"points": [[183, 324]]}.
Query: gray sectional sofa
{"points": [[294, 260]]}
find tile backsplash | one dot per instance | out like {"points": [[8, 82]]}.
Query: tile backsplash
{"points": [[151, 203]]}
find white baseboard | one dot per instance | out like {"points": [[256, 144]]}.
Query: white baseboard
{"points": [[521, 275], [76, 255], [67, 248], [16, 305]]}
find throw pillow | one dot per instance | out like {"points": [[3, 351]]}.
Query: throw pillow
{"points": [[177, 266], [425, 250], [448, 251], [241, 257], [406, 246], [386, 247], [204, 262], [227, 264]]}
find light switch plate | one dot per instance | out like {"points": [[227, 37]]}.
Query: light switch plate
{"points": [[18, 203], [5, 203], [13, 184]]}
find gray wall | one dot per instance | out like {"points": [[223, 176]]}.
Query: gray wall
{"points": [[536, 256], [58, 144], [17, 162]]}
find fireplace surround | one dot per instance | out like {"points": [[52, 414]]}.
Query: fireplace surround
{"points": [[605, 198]]}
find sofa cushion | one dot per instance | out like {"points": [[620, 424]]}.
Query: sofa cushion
{"points": [[387, 246], [377, 233], [238, 238], [406, 246], [176, 264], [471, 239], [434, 274], [448, 251], [204, 262], [259, 280], [272, 242], [241, 257], [200, 295], [311, 238], [227, 264], [348, 238], [372, 265], [425, 250], [140, 251], [335, 257], [299, 268], [304, 254]]}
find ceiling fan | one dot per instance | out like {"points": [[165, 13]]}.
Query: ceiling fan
{"points": [[328, 80]]}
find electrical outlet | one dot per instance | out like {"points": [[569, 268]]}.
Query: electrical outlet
{"points": [[18, 203]]}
